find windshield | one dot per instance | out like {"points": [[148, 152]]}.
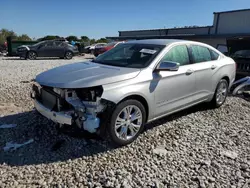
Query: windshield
{"points": [[130, 55], [39, 43], [241, 54], [111, 44]]}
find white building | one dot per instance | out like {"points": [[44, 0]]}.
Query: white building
{"points": [[229, 24]]}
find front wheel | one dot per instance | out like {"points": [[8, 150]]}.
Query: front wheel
{"points": [[68, 55], [220, 94], [127, 122], [31, 55]]}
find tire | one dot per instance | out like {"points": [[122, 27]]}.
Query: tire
{"points": [[68, 55], [124, 128], [31, 55], [220, 94]]}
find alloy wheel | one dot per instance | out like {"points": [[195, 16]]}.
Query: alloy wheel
{"points": [[128, 122], [221, 93], [32, 55], [68, 55]]}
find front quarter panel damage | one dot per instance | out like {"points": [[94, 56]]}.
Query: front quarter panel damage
{"points": [[88, 105]]}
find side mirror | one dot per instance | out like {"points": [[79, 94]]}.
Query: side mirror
{"points": [[168, 66]]}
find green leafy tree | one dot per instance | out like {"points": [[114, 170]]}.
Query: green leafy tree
{"points": [[49, 37], [24, 37], [84, 38], [102, 40], [72, 37], [4, 33], [92, 41]]}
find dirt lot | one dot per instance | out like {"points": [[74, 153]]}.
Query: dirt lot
{"points": [[199, 147]]}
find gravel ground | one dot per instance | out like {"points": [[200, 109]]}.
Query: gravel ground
{"points": [[198, 147]]}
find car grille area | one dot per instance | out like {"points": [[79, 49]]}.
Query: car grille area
{"points": [[48, 99], [243, 67]]}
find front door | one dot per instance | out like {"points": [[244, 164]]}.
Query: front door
{"points": [[174, 89], [45, 50]]}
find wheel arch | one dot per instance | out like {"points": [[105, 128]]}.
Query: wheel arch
{"points": [[227, 79], [68, 50], [139, 98]]}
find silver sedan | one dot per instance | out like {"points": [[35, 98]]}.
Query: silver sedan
{"points": [[137, 82]]}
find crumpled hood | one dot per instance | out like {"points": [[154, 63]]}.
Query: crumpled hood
{"points": [[84, 74]]}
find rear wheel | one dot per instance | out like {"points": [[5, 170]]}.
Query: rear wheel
{"points": [[31, 55], [220, 94], [127, 122], [68, 55]]}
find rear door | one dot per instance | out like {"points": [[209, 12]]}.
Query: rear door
{"points": [[58, 49], [205, 66]]}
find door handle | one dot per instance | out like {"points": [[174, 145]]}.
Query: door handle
{"points": [[213, 67], [189, 71]]}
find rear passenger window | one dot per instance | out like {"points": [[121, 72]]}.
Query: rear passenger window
{"points": [[214, 55], [58, 43], [49, 44], [200, 54], [178, 54]]}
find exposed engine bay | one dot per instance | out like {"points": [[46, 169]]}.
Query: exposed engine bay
{"points": [[79, 106]]}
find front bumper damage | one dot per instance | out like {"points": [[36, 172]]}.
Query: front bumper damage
{"points": [[58, 117], [64, 106]]}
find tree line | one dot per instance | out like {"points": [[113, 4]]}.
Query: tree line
{"points": [[4, 33]]}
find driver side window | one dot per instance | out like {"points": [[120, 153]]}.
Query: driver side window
{"points": [[49, 44], [177, 54]]}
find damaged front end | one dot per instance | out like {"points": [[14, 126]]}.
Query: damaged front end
{"points": [[79, 107], [241, 87]]}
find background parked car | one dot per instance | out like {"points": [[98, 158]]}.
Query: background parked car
{"points": [[239, 50], [51, 48], [91, 48], [3, 48], [100, 50]]}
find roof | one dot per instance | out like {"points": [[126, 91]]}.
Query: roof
{"points": [[232, 11], [155, 41], [180, 37], [164, 29]]}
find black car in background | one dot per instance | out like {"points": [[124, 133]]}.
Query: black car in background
{"points": [[239, 50], [50, 48]]}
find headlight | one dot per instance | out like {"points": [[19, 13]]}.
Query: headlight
{"points": [[89, 94], [21, 49]]}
